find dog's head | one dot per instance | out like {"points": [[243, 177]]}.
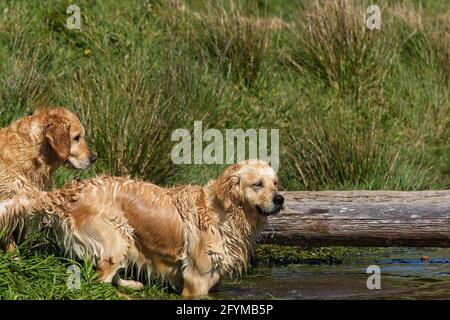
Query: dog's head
{"points": [[64, 133], [251, 184]]}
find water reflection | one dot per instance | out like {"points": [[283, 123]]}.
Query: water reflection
{"points": [[403, 276]]}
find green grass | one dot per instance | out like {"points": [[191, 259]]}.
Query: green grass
{"points": [[280, 255], [356, 109], [37, 271]]}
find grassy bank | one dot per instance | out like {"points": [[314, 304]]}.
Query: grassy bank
{"points": [[356, 109]]}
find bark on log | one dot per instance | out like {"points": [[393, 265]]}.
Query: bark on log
{"points": [[362, 218]]}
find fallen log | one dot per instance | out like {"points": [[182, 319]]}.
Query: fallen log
{"points": [[362, 218]]}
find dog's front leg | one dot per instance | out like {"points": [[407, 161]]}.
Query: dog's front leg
{"points": [[10, 244], [195, 287], [197, 284]]}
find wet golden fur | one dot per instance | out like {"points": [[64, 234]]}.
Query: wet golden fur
{"points": [[33, 147], [190, 236]]}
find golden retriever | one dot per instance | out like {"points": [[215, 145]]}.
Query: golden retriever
{"points": [[188, 235], [33, 147]]}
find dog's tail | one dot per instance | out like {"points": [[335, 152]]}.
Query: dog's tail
{"points": [[15, 212]]}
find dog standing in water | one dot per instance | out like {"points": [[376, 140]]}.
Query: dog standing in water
{"points": [[188, 235]]}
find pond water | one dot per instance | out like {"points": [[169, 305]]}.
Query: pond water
{"points": [[403, 276]]}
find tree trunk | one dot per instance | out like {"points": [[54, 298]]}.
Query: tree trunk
{"points": [[362, 218]]}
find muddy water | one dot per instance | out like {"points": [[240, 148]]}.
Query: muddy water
{"points": [[403, 276]]}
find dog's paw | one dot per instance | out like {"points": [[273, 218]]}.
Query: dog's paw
{"points": [[130, 284]]}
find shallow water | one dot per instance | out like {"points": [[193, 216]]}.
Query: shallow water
{"points": [[403, 276]]}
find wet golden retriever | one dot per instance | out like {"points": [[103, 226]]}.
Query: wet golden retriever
{"points": [[33, 147], [188, 235]]}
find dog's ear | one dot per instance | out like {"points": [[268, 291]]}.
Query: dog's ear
{"points": [[227, 188], [57, 134]]}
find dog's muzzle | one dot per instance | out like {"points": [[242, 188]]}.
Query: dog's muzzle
{"points": [[92, 158], [278, 200]]}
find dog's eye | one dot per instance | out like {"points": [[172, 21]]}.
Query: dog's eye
{"points": [[258, 184], [77, 138]]}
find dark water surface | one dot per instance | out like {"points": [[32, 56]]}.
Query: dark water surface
{"points": [[403, 276]]}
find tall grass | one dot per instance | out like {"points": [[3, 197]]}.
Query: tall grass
{"points": [[376, 123], [231, 34], [348, 156], [425, 38], [132, 114], [24, 81], [135, 72], [329, 39], [39, 274]]}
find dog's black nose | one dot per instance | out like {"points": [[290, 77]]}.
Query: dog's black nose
{"points": [[92, 158], [278, 199]]}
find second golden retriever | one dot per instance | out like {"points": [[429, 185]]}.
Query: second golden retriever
{"points": [[189, 235], [32, 148]]}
